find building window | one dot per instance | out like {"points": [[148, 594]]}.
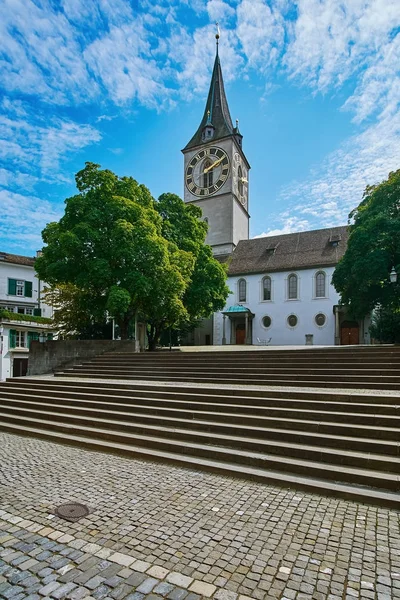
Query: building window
{"points": [[320, 285], [292, 320], [242, 290], [320, 319], [20, 339], [29, 311], [208, 178], [266, 322], [17, 287], [266, 287], [292, 287], [240, 181]]}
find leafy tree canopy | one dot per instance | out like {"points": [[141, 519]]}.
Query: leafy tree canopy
{"points": [[362, 276], [109, 245], [118, 252]]}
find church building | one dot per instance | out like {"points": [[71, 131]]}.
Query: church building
{"points": [[281, 290]]}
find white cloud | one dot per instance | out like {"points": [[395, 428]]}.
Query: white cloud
{"points": [[337, 186], [194, 56], [260, 30], [220, 11], [123, 60], [22, 218], [289, 225], [38, 147], [41, 54]]}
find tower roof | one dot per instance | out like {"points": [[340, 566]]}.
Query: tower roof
{"points": [[216, 110]]}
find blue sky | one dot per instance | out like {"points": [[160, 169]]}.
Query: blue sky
{"points": [[314, 83]]}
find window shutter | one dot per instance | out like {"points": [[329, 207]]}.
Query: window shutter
{"points": [[12, 338], [28, 289], [50, 337], [12, 287], [37, 312]]}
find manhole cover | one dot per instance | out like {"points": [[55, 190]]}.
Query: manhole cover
{"points": [[72, 511]]}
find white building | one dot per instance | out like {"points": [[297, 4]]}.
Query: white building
{"points": [[281, 285], [23, 315]]}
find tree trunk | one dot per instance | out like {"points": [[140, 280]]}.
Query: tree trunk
{"points": [[123, 327], [153, 336]]}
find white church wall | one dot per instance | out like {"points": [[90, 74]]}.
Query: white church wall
{"points": [[305, 308]]}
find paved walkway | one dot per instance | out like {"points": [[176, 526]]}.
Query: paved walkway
{"points": [[157, 531]]}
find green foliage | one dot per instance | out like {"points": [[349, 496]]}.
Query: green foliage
{"points": [[6, 314], [385, 325], [77, 314], [118, 252], [362, 276], [203, 278]]}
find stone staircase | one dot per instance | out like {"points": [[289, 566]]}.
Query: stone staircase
{"points": [[367, 367], [325, 441]]}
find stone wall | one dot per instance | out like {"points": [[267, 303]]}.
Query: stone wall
{"points": [[48, 357]]}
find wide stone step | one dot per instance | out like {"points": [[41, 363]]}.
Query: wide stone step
{"points": [[358, 438], [371, 415], [249, 358], [245, 371], [213, 402], [319, 486], [325, 454], [197, 447], [358, 382], [205, 393]]}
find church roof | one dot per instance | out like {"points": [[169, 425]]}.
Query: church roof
{"points": [[216, 111], [292, 251]]}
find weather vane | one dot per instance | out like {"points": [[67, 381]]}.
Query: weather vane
{"points": [[217, 35]]}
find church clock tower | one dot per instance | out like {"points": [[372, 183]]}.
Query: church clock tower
{"points": [[216, 171]]}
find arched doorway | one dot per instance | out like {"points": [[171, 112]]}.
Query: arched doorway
{"points": [[349, 333]]}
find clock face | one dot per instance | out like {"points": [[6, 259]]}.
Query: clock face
{"points": [[207, 172], [240, 182]]}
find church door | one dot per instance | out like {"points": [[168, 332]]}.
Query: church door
{"points": [[349, 333], [240, 333]]}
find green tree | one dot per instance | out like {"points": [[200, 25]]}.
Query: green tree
{"points": [[385, 326], [77, 314], [206, 291], [109, 246], [362, 275]]}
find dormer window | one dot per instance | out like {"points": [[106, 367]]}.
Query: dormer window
{"points": [[208, 133], [335, 239]]}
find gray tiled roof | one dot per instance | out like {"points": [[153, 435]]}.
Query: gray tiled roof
{"points": [[17, 259], [306, 249]]}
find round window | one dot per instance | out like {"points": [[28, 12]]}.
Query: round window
{"points": [[266, 321], [292, 320], [320, 319]]}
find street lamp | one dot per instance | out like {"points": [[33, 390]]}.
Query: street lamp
{"points": [[393, 275]]}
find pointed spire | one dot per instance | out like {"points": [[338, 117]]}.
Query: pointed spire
{"points": [[217, 109]]}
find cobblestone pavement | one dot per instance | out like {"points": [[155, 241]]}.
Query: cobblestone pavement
{"points": [[158, 531]]}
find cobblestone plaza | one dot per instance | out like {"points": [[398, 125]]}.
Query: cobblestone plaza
{"points": [[159, 531]]}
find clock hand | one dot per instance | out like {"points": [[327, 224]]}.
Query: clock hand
{"points": [[215, 164]]}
